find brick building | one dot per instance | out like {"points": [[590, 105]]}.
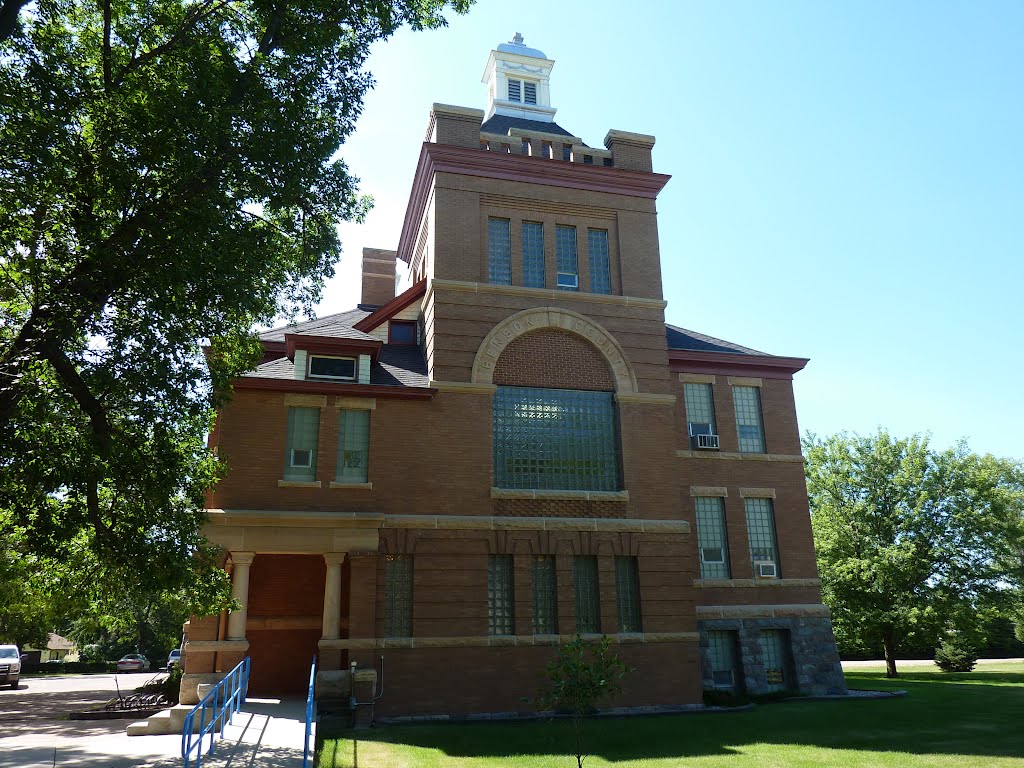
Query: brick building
{"points": [[504, 444]]}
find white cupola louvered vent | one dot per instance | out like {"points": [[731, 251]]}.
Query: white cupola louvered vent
{"points": [[514, 90], [530, 93], [518, 80]]}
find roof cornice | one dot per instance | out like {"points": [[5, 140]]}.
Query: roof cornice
{"points": [[729, 363], [471, 161], [385, 312], [329, 344], [330, 388]]}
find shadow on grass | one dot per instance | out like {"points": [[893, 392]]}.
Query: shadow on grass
{"points": [[971, 714]]}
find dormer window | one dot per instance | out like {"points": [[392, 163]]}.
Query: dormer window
{"points": [[402, 332], [522, 91], [321, 367]]}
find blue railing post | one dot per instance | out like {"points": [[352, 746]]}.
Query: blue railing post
{"points": [[221, 702], [309, 713]]}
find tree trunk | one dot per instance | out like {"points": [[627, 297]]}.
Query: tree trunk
{"points": [[889, 643]]}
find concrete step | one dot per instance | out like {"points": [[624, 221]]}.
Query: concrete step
{"points": [[168, 721]]}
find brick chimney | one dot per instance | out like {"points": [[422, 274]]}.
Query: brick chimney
{"points": [[378, 276]]}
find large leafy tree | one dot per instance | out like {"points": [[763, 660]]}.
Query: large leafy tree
{"points": [[911, 542], [168, 174]]}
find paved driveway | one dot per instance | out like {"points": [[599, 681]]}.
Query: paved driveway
{"points": [[34, 730]]}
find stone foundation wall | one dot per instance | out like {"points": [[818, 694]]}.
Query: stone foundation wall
{"points": [[814, 660]]}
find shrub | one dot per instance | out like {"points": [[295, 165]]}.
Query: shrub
{"points": [[956, 655]]}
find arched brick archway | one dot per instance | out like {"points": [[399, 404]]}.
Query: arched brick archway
{"points": [[511, 328]]}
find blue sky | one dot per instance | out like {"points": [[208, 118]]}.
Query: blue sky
{"points": [[848, 182]]}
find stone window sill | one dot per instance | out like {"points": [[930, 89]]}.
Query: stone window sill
{"points": [[298, 484], [354, 486]]}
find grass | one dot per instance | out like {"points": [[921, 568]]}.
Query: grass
{"points": [[964, 720]]}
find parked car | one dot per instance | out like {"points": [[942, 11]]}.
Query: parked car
{"points": [[174, 659], [133, 662], [10, 665]]}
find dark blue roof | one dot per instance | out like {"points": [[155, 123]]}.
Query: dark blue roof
{"points": [[681, 338], [501, 124]]}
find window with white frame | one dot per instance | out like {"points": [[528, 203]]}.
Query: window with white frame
{"points": [[329, 367], [749, 427], [700, 414], [764, 556], [353, 446], [711, 538], [301, 444]]}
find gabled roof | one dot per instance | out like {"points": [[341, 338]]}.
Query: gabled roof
{"points": [[387, 311], [682, 338], [339, 325], [502, 123]]}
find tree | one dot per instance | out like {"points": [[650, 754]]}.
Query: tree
{"points": [[581, 676], [168, 175], [909, 539]]}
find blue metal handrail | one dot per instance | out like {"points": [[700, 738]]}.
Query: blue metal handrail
{"points": [[222, 702], [309, 714]]}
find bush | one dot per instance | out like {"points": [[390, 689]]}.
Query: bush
{"points": [[956, 656]]}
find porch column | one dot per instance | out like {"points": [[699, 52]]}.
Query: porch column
{"points": [[240, 592], [332, 595]]}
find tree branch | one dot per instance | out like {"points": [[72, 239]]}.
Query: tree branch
{"points": [[9, 10], [106, 44]]}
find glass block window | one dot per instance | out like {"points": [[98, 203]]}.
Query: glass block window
{"points": [[398, 596], [555, 439], [533, 255], [600, 269], [627, 594], [725, 669], [499, 252], [565, 256], [748, 419], [761, 533], [353, 447], [500, 595], [711, 539], [588, 598], [700, 410], [545, 596], [300, 445], [775, 657]]}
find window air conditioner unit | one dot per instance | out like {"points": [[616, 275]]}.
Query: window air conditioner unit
{"points": [[765, 569], [707, 442]]}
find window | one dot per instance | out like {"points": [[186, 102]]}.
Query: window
{"points": [[588, 599], [499, 252], [761, 532], [700, 412], [627, 593], [500, 595], [775, 657], [402, 332], [533, 255], [711, 539], [565, 256], [545, 596], [722, 654], [600, 270], [300, 446], [522, 91], [555, 439], [332, 367], [567, 152], [353, 447], [398, 596], [748, 419]]}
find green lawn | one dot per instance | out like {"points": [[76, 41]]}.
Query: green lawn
{"points": [[974, 719]]}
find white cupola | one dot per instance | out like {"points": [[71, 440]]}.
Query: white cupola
{"points": [[518, 82]]}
